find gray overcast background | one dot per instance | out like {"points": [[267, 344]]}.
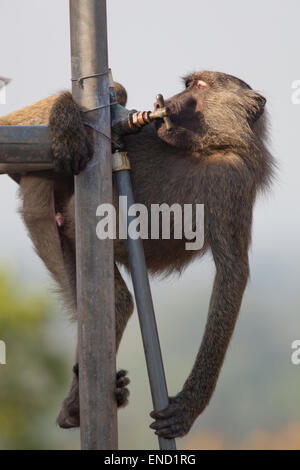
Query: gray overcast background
{"points": [[151, 45]]}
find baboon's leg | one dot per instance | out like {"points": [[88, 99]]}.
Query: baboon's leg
{"points": [[69, 415], [38, 212], [124, 305]]}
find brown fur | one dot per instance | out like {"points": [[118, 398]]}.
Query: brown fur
{"points": [[43, 195], [214, 155], [36, 114]]}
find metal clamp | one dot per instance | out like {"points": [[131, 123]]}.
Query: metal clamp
{"points": [[120, 161]]}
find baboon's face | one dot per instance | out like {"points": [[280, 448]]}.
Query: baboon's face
{"points": [[213, 104]]}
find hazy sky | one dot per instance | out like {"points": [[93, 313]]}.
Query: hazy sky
{"points": [[151, 45]]}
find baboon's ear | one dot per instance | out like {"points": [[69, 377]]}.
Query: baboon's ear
{"points": [[257, 107]]}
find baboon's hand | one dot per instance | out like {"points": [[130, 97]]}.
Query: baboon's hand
{"points": [[71, 145], [174, 421]]}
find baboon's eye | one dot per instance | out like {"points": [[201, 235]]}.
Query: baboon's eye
{"points": [[201, 84]]}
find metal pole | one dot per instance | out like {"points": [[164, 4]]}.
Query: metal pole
{"points": [[95, 273], [25, 148], [145, 308]]}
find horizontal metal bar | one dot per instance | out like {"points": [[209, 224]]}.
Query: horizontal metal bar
{"points": [[25, 148]]}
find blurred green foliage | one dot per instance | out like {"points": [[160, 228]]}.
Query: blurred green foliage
{"points": [[33, 380]]}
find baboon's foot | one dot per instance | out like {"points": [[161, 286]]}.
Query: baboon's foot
{"points": [[69, 416], [122, 392]]}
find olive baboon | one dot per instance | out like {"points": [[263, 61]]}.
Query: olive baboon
{"points": [[215, 154]]}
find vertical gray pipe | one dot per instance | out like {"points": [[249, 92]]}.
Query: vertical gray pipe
{"points": [[94, 258], [145, 308]]}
